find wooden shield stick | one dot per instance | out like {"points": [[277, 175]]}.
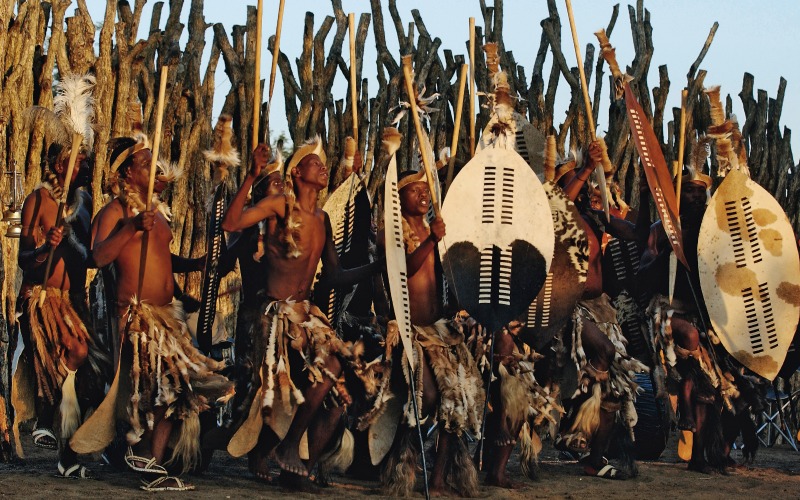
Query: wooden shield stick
{"points": [[77, 139], [351, 18], [162, 90], [257, 73], [409, 78], [599, 172], [462, 80], [471, 87]]}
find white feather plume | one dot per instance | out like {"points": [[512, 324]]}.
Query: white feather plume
{"points": [[74, 105]]}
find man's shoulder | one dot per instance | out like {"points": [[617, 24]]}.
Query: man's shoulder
{"points": [[111, 209]]}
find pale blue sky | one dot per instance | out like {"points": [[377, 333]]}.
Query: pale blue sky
{"points": [[760, 37]]}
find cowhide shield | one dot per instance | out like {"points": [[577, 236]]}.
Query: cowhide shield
{"points": [[527, 140], [208, 298], [620, 265], [349, 209], [565, 280], [396, 259], [750, 273], [499, 241]]}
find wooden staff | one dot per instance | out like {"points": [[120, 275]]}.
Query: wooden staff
{"points": [[353, 93], [409, 78], [276, 51], [681, 147], [599, 171], [471, 87], [77, 139], [257, 73], [162, 90], [462, 80], [677, 170]]}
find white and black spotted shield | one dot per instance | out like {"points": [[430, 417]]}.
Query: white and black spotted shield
{"points": [[499, 242]]}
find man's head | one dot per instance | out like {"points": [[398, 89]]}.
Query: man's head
{"points": [[130, 160], [307, 165], [415, 194], [58, 161], [269, 185], [695, 188]]}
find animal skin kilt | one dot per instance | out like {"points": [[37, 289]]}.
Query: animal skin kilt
{"points": [[159, 367], [48, 379], [612, 390], [525, 401], [461, 395], [674, 363], [286, 334]]}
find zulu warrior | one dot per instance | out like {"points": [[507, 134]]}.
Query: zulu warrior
{"points": [[170, 381], [605, 380], [300, 355]]}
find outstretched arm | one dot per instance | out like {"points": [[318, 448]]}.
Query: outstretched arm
{"points": [[332, 273], [187, 265]]}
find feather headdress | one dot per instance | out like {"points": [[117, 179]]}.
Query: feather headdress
{"points": [[73, 113], [136, 122]]}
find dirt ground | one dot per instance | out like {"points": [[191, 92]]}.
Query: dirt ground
{"points": [[776, 473]]}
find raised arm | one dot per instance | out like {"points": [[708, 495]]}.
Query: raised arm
{"points": [[417, 258], [237, 217]]}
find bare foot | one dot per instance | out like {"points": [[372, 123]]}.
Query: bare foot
{"points": [[502, 482], [504, 438], [442, 490], [701, 467], [288, 459], [258, 463]]}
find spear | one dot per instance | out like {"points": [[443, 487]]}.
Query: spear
{"points": [[471, 87], [257, 73], [276, 51], [599, 171], [677, 168], [74, 106], [351, 18], [173, 53], [462, 80], [409, 78]]}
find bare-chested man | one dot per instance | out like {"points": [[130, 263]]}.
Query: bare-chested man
{"points": [[171, 381], [56, 350], [688, 361], [606, 371], [300, 351], [451, 389]]}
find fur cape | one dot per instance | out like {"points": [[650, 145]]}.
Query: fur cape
{"points": [[612, 390]]}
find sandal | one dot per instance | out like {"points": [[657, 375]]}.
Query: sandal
{"points": [[45, 438], [74, 471], [158, 484], [150, 465], [608, 471]]}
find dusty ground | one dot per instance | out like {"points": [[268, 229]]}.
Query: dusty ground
{"points": [[776, 474]]}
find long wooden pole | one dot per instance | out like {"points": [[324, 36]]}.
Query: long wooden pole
{"points": [[462, 80], [77, 139], [681, 147], [409, 78], [599, 171], [162, 90], [353, 91], [276, 51], [257, 75], [471, 87]]}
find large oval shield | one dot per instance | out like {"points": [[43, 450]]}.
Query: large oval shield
{"points": [[525, 139], [565, 280], [499, 241], [750, 273]]}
